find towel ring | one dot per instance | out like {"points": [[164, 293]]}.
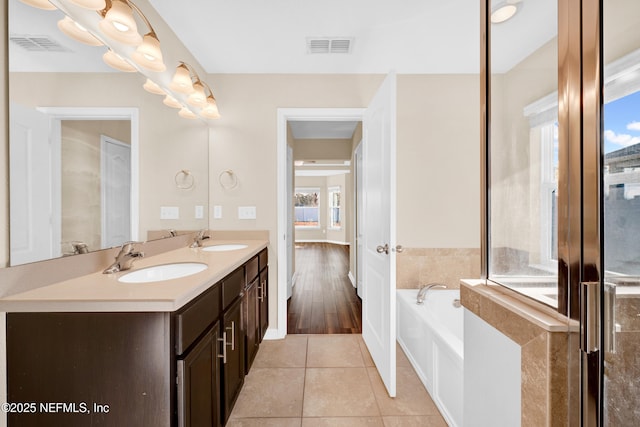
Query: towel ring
{"points": [[184, 180], [231, 182]]}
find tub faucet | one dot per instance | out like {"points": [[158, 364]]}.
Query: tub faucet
{"points": [[197, 241], [422, 293], [124, 259]]}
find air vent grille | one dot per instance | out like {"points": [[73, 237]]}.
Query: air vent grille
{"points": [[38, 43], [329, 44]]}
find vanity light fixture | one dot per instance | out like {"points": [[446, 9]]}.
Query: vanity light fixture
{"points": [[40, 4], [119, 24], [198, 98], [170, 101], [210, 111], [152, 87], [116, 61], [504, 11], [77, 32], [187, 114], [181, 81], [90, 4], [149, 55]]}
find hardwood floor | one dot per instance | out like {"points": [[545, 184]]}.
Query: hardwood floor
{"points": [[323, 300]]}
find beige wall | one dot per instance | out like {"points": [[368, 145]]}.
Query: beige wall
{"points": [[322, 149], [437, 160], [4, 140]]}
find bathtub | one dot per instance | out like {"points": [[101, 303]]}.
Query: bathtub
{"points": [[431, 336]]}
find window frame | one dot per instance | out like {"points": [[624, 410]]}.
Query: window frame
{"points": [[307, 190]]}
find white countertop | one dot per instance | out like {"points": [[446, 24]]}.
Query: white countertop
{"points": [[99, 292]]}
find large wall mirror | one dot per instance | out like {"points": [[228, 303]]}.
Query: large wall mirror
{"points": [[524, 150], [93, 157]]}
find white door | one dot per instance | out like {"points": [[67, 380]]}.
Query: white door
{"points": [[290, 239], [31, 187], [359, 219], [115, 185], [379, 234]]}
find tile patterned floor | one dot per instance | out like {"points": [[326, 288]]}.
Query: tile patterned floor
{"points": [[329, 381]]}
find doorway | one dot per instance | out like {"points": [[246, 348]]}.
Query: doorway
{"points": [[322, 298]]}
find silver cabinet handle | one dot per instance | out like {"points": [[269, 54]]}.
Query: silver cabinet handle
{"points": [[233, 336], [383, 249], [224, 347], [261, 289]]}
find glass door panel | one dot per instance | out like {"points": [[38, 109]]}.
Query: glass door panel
{"points": [[621, 205], [523, 176]]}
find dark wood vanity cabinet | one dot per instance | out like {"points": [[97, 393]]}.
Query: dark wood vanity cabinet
{"points": [[263, 295], [184, 368], [198, 382]]}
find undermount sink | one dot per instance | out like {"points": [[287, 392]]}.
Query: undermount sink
{"points": [[159, 273], [225, 247]]}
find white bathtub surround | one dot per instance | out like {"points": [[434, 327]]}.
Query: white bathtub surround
{"points": [[492, 376], [431, 335], [546, 340]]}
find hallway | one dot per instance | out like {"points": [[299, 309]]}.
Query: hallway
{"points": [[323, 300]]}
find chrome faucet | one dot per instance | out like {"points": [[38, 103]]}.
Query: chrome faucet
{"points": [[197, 241], [124, 259], [422, 293]]}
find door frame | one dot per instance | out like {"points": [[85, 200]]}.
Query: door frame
{"points": [[58, 114], [285, 115]]}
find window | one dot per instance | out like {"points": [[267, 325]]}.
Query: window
{"points": [[335, 215], [307, 207]]}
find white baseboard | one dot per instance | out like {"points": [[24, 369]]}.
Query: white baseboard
{"points": [[274, 334], [352, 279]]}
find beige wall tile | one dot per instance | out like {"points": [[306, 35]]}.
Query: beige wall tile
{"points": [[419, 266]]}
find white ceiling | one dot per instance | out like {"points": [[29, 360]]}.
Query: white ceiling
{"points": [[255, 36]]}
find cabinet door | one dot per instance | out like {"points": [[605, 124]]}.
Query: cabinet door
{"points": [[263, 303], [252, 327], [199, 383], [233, 365]]}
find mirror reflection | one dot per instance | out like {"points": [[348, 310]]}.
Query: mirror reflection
{"points": [[524, 149], [93, 157]]}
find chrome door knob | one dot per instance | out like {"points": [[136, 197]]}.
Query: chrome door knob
{"points": [[383, 249], [399, 249]]}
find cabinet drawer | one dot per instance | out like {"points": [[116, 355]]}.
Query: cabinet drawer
{"points": [[232, 287], [252, 269], [263, 259], [192, 321]]}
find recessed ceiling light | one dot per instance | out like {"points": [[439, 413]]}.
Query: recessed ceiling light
{"points": [[504, 11]]}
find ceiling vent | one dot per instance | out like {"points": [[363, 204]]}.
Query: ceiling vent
{"points": [[329, 44], [37, 43]]}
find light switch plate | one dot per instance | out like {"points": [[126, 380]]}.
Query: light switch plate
{"points": [[217, 212], [246, 212], [169, 212], [199, 212]]}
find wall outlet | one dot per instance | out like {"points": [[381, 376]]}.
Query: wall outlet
{"points": [[217, 212], [246, 212], [199, 212], [169, 212]]}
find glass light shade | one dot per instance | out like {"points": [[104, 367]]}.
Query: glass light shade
{"points": [[210, 111], [90, 4], [149, 55], [77, 32], [40, 4], [186, 113], [119, 24], [151, 86], [170, 101], [116, 61], [198, 98], [181, 81], [503, 12]]}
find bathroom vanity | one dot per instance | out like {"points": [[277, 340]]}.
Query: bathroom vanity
{"points": [[176, 357]]}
